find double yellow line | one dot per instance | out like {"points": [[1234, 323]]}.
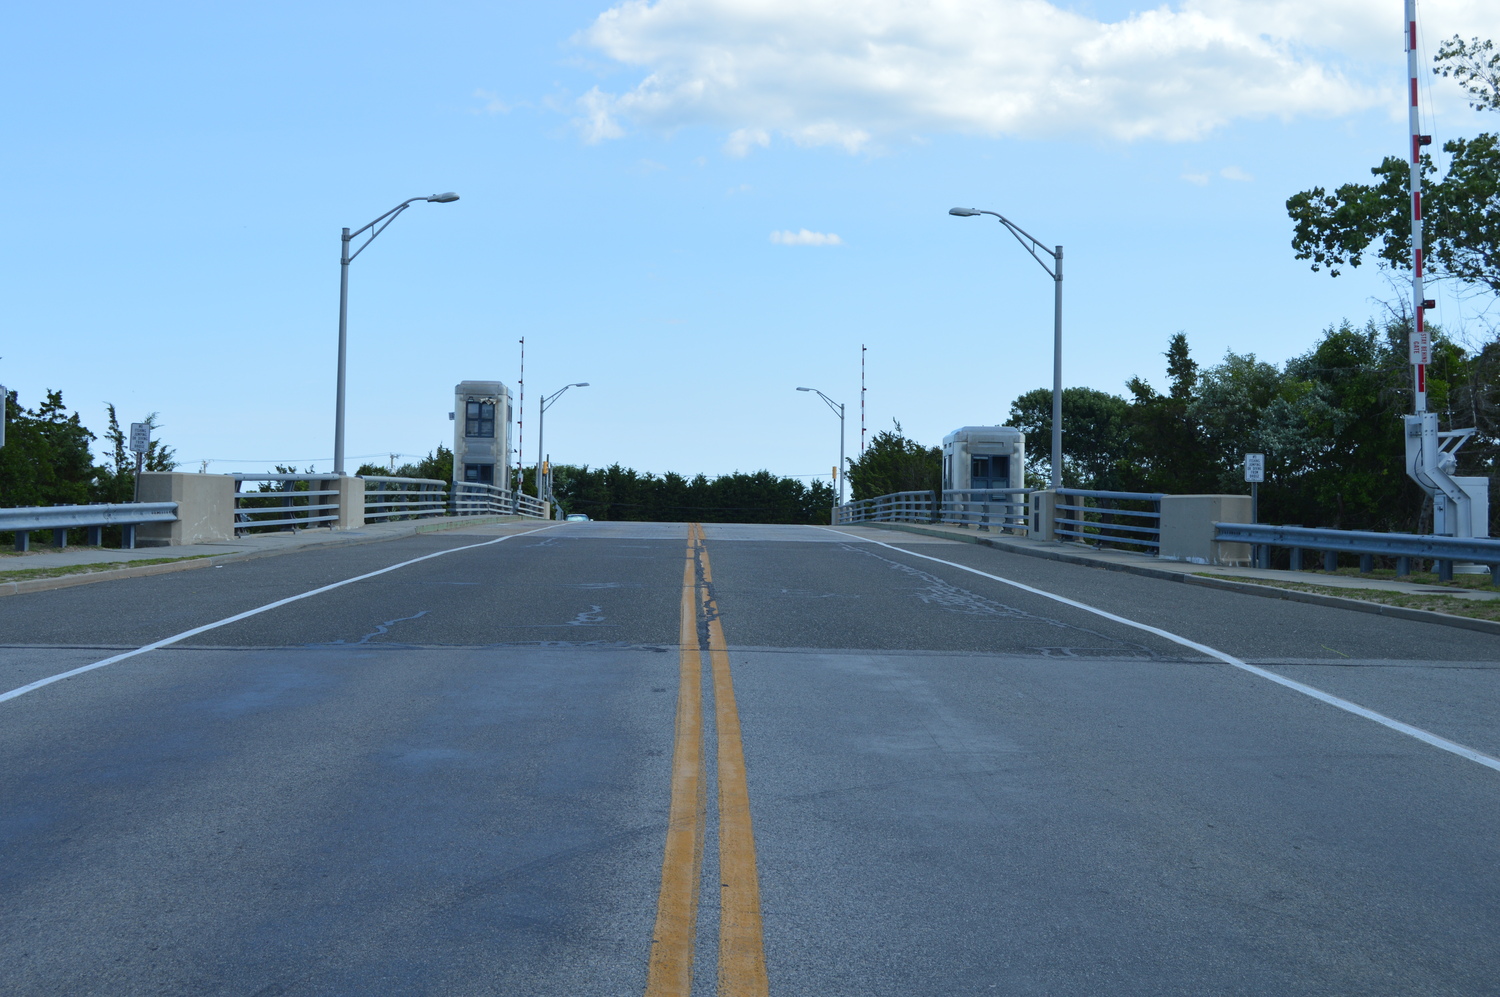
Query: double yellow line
{"points": [[742, 959]]}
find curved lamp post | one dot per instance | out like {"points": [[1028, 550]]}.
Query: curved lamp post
{"points": [[1055, 271], [838, 410], [541, 425], [346, 257]]}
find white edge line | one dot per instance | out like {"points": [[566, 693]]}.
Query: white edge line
{"points": [[1421, 735], [39, 683]]}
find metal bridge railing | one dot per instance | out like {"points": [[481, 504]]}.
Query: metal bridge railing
{"points": [[283, 504], [471, 498], [1404, 547], [897, 507], [390, 498], [986, 508], [1099, 523], [62, 518]]}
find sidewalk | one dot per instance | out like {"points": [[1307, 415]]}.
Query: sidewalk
{"points": [[1251, 581], [116, 563]]}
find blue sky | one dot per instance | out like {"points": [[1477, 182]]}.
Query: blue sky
{"points": [[179, 174]]}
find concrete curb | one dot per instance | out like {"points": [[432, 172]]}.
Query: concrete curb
{"points": [[24, 586], [1225, 584]]}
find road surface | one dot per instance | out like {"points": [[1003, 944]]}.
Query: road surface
{"points": [[599, 759]]}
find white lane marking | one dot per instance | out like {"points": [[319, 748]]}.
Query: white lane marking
{"points": [[39, 683], [1421, 735]]}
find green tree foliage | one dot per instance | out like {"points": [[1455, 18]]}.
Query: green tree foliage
{"points": [[1094, 430], [1166, 451], [1460, 209], [622, 494], [46, 459], [894, 463], [438, 464]]}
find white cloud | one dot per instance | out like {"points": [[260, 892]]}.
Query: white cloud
{"points": [[850, 73], [1201, 179], [805, 238], [492, 102], [1235, 173]]}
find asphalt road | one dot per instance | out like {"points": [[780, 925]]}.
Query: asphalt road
{"points": [[456, 777]]}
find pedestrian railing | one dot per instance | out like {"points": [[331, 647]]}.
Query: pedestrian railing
{"points": [[898, 507], [94, 518], [985, 508], [284, 500], [391, 498], [470, 498], [1405, 548], [1120, 519]]}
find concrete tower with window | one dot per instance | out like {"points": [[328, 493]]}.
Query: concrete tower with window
{"points": [[481, 432], [984, 457]]}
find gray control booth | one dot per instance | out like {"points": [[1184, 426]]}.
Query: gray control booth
{"points": [[481, 432], [984, 457]]}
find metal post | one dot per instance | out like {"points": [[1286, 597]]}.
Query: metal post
{"points": [[541, 425], [338, 405], [839, 500], [1057, 371]]}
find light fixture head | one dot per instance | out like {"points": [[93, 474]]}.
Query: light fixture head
{"points": [[444, 198], [580, 384], [964, 212]]}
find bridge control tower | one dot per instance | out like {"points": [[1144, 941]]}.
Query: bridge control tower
{"points": [[984, 457], [481, 432]]}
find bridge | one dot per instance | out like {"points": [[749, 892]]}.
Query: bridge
{"points": [[524, 757]]}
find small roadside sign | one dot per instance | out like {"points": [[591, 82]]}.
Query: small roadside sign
{"points": [[140, 437], [1255, 467]]}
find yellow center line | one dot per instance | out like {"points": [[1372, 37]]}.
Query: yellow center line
{"points": [[742, 957], [742, 954], [670, 973]]}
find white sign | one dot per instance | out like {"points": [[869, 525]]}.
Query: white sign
{"points": [[140, 437], [1255, 467]]}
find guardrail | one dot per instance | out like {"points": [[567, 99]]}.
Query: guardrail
{"points": [[1094, 520], [1001, 508], [897, 507], [1404, 547], [62, 518], [392, 498], [471, 498], [284, 504]]}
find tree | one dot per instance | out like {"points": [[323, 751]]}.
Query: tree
{"points": [[894, 463], [1460, 210], [1095, 436], [46, 458]]}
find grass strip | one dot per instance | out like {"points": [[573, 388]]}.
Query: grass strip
{"points": [[1452, 605], [26, 574]]}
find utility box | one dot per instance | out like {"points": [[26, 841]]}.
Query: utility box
{"points": [[984, 457], [1477, 488], [481, 432]]}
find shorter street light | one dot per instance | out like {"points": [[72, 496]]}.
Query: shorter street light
{"points": [[345, 258], [1055, 271], [541, 424], [838, 410]]}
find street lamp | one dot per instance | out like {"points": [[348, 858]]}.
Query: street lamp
{"points": [[838, 410], [379, 226], [541, 424], [1055, 271]]}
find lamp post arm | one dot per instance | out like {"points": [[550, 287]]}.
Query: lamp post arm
{"points": [[1030, 243], [838, 409], [379, 225]]}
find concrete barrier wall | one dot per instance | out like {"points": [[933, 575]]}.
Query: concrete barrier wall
{"points": [[205, 508], [1187, 528], [1043, 524], [351, 499]]}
